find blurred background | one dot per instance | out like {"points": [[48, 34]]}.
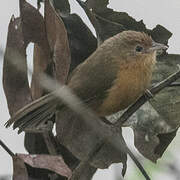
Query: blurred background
{"points": [[152, 12]]}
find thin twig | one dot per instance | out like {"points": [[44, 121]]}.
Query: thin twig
{"points": [[138, 164], [6, 148], [144, 98]]}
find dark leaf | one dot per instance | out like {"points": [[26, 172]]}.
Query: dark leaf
{"points": [[82, 138], [154, 142], [62, 6], [109, 29], [143, 141], [160, 34], [52, 163], [157, 122], [58, 41], [146, 124], [82, 42], [83, 172], [34, 143], [130, 23], [119, 21], [104, 28], [167, 102], [98, 6], [146, 129], [19, 169]]}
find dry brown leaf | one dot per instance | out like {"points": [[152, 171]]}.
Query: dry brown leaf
{"points": [[41, 63], [82, 42], [15, 80], [52, 163], [32, 23], [58, 41], [33, 28]]}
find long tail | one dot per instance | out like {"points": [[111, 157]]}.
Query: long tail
{"points": [[34, 113]]}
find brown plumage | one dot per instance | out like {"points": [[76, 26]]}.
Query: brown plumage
{"points": [[111, 79]]}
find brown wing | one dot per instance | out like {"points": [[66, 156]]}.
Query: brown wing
{"points": [[91, 79]]}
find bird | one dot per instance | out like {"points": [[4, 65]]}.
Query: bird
{"points": [[108, 81]]}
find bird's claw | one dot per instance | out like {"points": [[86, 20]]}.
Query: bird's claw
{"points": [[148, 94]]}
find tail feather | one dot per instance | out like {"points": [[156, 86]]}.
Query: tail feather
{"points": [[35, 118], [34, 113], [31, 116]]}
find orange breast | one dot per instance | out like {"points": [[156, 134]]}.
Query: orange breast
{"points": [[131, 82]]}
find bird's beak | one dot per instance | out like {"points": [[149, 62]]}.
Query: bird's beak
{"points": [[158, 47]]}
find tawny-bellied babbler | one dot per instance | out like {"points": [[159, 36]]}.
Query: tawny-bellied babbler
{"points": [[111, 79]]}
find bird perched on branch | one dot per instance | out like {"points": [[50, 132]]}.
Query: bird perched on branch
{"points": [[111, 79]]}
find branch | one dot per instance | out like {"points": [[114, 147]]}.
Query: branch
{"points": [[6, 148], [138, 164], [175, 84], [144, 98]]}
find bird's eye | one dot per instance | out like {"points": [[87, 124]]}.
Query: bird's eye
{"points": [[139, 48]]}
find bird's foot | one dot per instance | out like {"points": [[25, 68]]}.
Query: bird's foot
{"points": [[148, 94]]}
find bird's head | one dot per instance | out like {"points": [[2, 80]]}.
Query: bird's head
{"points": [[133, 45]]}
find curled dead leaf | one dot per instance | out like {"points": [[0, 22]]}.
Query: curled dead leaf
{"points": [[52, 163]]}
